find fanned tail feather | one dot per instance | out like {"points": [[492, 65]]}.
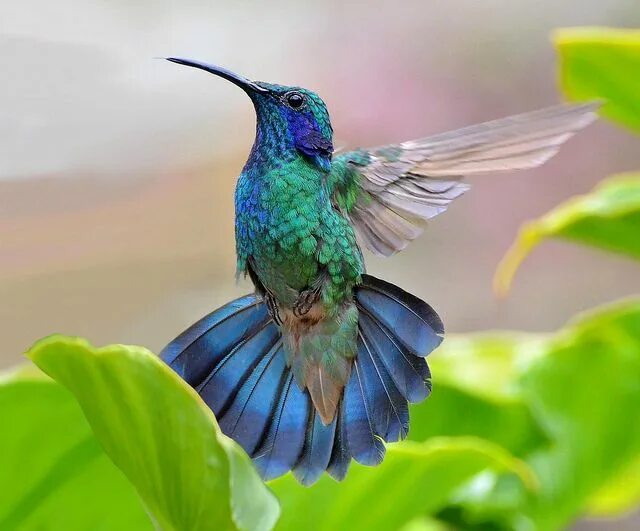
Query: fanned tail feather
{"points": [[390, 411], [235, 359], [283, 444], [317, 450], [245, 420], [412, 321], [364, 444], [340, 456], [410, 373]]}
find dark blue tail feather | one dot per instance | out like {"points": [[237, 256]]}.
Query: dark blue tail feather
{"points": [[365, 445], [390, 411], [283, 444], [234, 358], [413, 321], [410, 373], [340, 456], [195, 352], [247, 419], [219, 388], [317, 450]]}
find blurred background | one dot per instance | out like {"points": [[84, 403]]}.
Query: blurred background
{"points": [[117, 169]]}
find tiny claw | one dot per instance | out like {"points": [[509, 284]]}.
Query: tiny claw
{"points": [[305, 301]]}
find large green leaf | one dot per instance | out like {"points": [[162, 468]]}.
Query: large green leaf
{"points": [[602, 63], [586, 392], [620, 494], [414, 479], [583, 387], [53, 473], [477, 375], [608, 218], [454, 412], [161, 435], [426, 524], [487, 365]]}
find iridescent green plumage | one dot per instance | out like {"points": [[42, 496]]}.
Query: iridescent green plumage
{"points": [[288, 232]]}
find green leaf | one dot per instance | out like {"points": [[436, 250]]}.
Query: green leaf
{"points": [[586, 393], [509, 424], [608, 218], [478, 374], [54, 473], [415, 479], [157, 430], [486, 365], [602, 63], [620, 494], [426, 524], [583, 388]]}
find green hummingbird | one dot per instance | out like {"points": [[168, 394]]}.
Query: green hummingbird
{"points": [[318, 365]]}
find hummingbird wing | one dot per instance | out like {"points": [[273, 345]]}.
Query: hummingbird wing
{"points": [[388, 192]]}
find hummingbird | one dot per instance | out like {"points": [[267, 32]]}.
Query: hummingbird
{"points": [[317, 366]]}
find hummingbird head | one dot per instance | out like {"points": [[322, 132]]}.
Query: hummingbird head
{"points": [[289, 119]]}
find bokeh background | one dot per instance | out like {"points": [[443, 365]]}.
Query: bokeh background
{"points": [[117, 169]]}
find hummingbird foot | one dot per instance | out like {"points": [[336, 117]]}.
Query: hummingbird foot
{"points": [[305, 301]]}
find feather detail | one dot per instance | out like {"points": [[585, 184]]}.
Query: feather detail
{"points": [[248, 417], [409, 372], [417, 180], [195, 352], [365, 445], [390, 414], [320, 351], [340, 455], [317, 450], [283, 443], [414, 323], [224, 380], [325, 392]]}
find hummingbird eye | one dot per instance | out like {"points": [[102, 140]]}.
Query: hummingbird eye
{"points": [[295, 100]]}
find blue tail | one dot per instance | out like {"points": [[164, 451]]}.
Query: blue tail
{"points": [[234, 358]]}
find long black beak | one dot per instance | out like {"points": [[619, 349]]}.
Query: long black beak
{"points": [[244, 83]]}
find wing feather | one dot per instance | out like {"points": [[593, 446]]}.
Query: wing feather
{"points": [[398, 187]]}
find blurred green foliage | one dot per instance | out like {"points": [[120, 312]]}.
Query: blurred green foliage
{"points": [[414, 479], [524, 431], [620, 493], [608, 218], [602, 63], [582, 389]]}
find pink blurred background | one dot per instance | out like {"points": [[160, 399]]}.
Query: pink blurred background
{"points": [[117, 169]]}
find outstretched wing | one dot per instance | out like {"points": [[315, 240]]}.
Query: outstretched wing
{"points": [[388, 192]]}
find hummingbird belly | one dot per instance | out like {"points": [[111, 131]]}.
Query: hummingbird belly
{"points": [[288, 229], [284, 271]]}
